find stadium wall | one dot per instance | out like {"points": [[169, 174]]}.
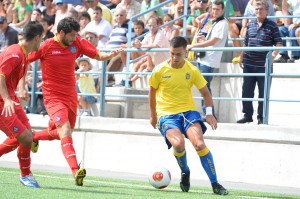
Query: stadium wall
{"points": [[264, 154]]}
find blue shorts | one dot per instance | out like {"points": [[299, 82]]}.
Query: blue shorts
{"points": [[181, 121], [90, 99]]}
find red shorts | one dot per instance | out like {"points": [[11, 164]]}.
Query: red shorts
{"points": [[14, 125], [60, 112]]}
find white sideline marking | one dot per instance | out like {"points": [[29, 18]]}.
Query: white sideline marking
{"points": [[130, 185]]}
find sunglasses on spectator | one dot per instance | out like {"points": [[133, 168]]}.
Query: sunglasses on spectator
{"points": [[89, 38], [203, 1]]}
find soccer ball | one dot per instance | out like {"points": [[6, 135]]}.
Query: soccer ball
{"points": [[159, 177]]}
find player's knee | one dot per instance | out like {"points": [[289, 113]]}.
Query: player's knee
{"points": [[25, 138], [178, 144], [199, 146]]}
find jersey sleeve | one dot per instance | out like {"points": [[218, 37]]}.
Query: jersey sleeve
{"points": [[199, 81], [154, 79], [35, 55], [87, 48], [9, 63]]}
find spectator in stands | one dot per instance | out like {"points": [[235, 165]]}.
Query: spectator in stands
{"points": [[38, 4], [155, 38], [9, 34], [84, 19], [2, 10], [118, 37], [216, 37], [147, 4], [198, 7], [113, 4], [260, 32], [291, 26], [132, 7], [36, 15], [101, 26], [49, 12], [61, 12], [8, 7], [204, 21], [46, 33], [86, 85], [170, 30], [73, 13], [22, 13], [250, 12]]}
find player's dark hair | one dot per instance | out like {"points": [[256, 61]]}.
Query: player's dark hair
{"points": [[219, 2], [32, 29], [67, 25], [178, 42]]}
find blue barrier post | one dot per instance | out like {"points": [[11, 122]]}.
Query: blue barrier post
{"points": [[267, 87], [102, 89], [33, 87]]}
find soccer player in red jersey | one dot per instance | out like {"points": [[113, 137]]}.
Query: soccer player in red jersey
{"points": [[13, 120], [57, 56]]}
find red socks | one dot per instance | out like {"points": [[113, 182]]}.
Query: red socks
{"points": [[45, 135], [24, 160], [8, 145], [69, 153]]}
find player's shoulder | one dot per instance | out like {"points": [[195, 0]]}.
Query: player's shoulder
{"points": [[161, 66]]}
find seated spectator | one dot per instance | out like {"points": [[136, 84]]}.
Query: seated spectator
{"points": [[118, 37], [49, 12], [291, 28], [169, 30], [84, 19], [101, 26], [73, 13], [8, 8], [9, 34], [36, 15], [22, 13], [250, 12], [86, 85], [147, 4], [155, 38], [132, 7], [2, 10], [46, 33], [61, 12], [38, 4], [113, 4]]}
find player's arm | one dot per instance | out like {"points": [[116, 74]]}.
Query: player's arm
{"points": [[107, 56], [210, 119], [152, 102], [8, 108], [23, 93]]}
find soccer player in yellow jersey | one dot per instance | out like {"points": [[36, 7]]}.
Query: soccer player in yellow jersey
{"points": [[173, 111]]}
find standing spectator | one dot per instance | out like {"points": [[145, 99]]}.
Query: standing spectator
{"points": [[250, 12], [101, 26], [86, 85], [8, 7], [132, 7], [13, 120], [291, 26], [216, 37], [170, 30], [38, 4], [46, 33], [36, 15], [173, 112], [49, 12], [260, 32], [22, 13], [9, 34], [155, 38], [58, 57]]}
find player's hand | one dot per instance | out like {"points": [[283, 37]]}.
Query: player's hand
{"points": [[116, 51], [9, 107], [211, 120], [153, 121], [23, 94]]}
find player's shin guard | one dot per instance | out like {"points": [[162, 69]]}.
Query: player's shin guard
{"points": [[207, 162], [24, 159], [69, 153], [181, 160], [8, 145], [45, 135]]}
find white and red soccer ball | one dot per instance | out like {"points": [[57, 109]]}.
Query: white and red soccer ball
{"points": [[159, 177]]}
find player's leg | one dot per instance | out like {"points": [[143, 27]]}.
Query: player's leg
{"points": [[8, 145], [195, 129]]}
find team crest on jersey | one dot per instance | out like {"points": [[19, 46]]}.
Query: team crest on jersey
{"points": [[187, 76], [72, 49], [57, 118], [166, 126], [15, 129]]}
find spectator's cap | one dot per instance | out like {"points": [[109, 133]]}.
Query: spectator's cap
{"points": [[2, 19], [84, 59], [94, 32], [58, 2]]}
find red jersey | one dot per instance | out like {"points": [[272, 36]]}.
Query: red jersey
{"points": [[58, 66], [13, 64]]}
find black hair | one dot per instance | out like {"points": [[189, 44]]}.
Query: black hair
{"points": [[38, 10], [98, 8], [219, 2], [85, 14], [139, 22], [178, 42], [32, 29], [67, 25], [46, 20]]}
